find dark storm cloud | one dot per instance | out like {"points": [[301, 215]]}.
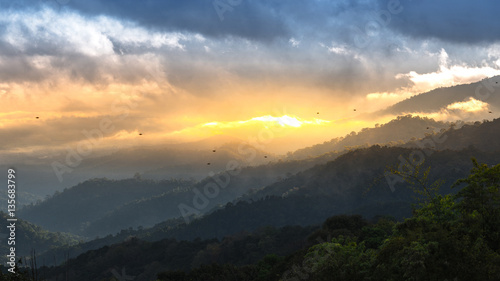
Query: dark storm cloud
{"points": [[259, 20], [450, 20], [250, 19]]}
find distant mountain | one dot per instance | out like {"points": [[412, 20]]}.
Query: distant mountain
{"points": [[143, 203], [30, 236], [143, 260], [75, 208], [484, 136], [396, 132], [354, 183], [199, 163], [486, 90], [194, 160], [101, 206]]}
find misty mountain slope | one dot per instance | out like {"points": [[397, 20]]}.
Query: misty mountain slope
{"points": [[145, 210], [143, 259], [74, 208], [23, 198], [351, 174], [353, 183], [486, 90], [151, 211], [401, 129], [484, 136], [184, 160], [198, 164], [102, 206], [30, 236]]}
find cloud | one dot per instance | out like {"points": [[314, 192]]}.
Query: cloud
{"points": [[446, 75], [249, 19], [449, 20], [188, 67], [294, 42], [339, 50], [46, 32]]}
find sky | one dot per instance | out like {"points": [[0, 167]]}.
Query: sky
{"points": [[288, 72]]}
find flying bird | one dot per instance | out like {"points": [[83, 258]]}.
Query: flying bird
{"points": [[490, 112], [208, 163], [355, 109], [317, 112], [140, 134], [37, 117], [265, 156], [213, 150]]}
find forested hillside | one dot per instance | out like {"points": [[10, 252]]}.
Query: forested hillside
{"points": [[434, 100], [73, 209], [29, 237], [312, 196], [279, 194], [483, 136], [448, 237], [396, 132], [99, 207]]}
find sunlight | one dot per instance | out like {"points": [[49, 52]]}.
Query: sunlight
{"points": [[268, 120], [472, 105]]}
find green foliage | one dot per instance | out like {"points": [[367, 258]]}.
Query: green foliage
{"points": [[479, 201], [31, 237], [448, 238], [340, 259], [417, 178]]}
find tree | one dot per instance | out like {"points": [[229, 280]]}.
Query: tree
{"points": [[416, 177], [446, 239], [342, 259], [479, 201]]}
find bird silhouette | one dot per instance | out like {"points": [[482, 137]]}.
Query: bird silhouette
{"points": [[490, 112], [140, 134], [265, 156], [355, 109], [213, 150], [317, 112], [208, 163], [37, 117]]}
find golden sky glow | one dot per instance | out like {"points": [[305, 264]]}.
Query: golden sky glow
{"points": [[76, 68], [269, 121]]}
